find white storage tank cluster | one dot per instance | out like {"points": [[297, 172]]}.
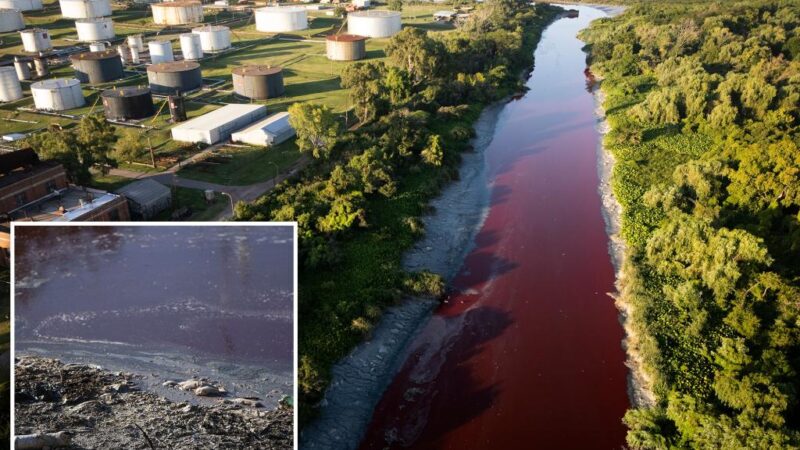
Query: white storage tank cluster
{"points": [[177, 13], [85, 9], [213, 38], [191, 47], [135, 41], [374, 23], [10, 20], [57, 94], [22, 5], [36, 40], [279, 19], [97, 29], [10, 88], [160, 51]]}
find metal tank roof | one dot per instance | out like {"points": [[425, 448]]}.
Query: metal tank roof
{"points": [[127, 91], [103, 54], [174, 66], [345, 37], [256, 70]]}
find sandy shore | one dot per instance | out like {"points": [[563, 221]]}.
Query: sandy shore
{"points": [[360, 379], [639, 385]]}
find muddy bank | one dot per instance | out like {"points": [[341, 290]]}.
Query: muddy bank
{"points": [[639, 384], [102, 409], [360, 378]]}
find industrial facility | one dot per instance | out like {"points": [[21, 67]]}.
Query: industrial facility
{"points": [[177, 12], [85, 9], [97, 29], [128, 103], [10, 20], [97, 67], [280, 19], [258, 82], [219, 124], [213, 38], [374, 23], [173, 77], [345, 47], [57, 94], [22, 5], [271, 131]]}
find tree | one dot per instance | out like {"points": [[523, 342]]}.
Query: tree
{"points": [[433, 153], [767, 176], [95, 138], [366, 88], [129, 148], [415, 52], [316, 126], [395, 5], [61, 147]]}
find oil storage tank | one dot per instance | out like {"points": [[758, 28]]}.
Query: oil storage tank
{"points": [[97, 29], [177, 13], [191, 48], [135, 41], [10, 87], [160, 52], [57, 94], [10, 20], [258, 82], [374, 23], [22, 5], [345, 47], [84, 9], [36, 40], [97, 67], [280, 19], [127, 103], [213, 38], [172, 77]]}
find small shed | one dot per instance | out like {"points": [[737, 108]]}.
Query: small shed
{"points": [[271, 131], [146, 198]]}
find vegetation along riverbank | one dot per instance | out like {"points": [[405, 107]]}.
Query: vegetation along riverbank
{"points": [[358, 204], [703, 101]]}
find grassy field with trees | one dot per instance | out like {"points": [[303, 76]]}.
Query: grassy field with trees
{"points": [[358, 203], [703, 100]]}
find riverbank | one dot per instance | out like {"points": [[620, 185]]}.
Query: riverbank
{"points": [[103, 409], [640, 390], [360, 379]]}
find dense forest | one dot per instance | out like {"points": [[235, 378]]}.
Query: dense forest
{"points": [[358, 204], [703, 101]]}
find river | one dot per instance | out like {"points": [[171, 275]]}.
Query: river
{"points": [[161, 301], [526, 352]]}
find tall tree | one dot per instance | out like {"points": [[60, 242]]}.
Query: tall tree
{"points": [[316, 126], [415, 52], [366, 88]]}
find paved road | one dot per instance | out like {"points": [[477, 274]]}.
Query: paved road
{"points": [[247, 193]]}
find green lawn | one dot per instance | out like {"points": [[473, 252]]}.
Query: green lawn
{"points": [[242, 166], [195, 200]]}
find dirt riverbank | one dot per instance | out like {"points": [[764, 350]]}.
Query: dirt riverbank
{"points": [[100, 409]]}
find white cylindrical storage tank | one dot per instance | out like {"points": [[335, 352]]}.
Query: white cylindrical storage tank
{"points": [[36, 40], [57, 94], [134, 55], [10, 20], [97, 47], [213, 38], [374, 23], [23, 68], [85, 9], [10, 88], [135, 41], [177, 13], [98, 29], [22, 5], [279, 19], [160, 51], [190, 46]]}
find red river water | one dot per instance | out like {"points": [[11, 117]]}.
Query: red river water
{"points": [[527, 351]]}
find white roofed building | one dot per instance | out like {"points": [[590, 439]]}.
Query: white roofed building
{"points": [[218, 125], [271, 131]]}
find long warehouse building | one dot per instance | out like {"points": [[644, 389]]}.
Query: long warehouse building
{"points": [[219, 124]]}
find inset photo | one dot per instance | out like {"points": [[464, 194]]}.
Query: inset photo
{"points": [[154, 336]]}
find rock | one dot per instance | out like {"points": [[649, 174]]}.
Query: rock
{"points": [[117, 387], [247, 402], [190, 385], [187, 409], [169, 383], [207, 391], [41, 441]]}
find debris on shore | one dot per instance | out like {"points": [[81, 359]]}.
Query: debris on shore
{"points": [[90, 408]]}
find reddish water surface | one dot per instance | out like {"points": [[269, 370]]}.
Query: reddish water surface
{"points": [[527, 353]]}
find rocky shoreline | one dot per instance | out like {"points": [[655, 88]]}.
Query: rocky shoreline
{"points": [[95, 408]]}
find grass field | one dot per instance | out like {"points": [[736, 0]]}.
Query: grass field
{"points": [[308, 76], [232, 165]]}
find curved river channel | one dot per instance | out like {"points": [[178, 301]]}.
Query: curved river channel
{"points": [[526, 353]]}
